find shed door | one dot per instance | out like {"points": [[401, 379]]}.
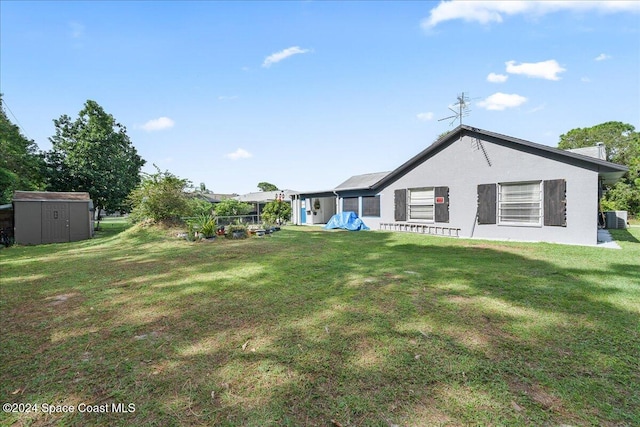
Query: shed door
{"points": [[55, 222], [79, 222]]}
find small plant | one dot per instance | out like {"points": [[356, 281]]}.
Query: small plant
{"points": [[207, 225], [204, 226]]}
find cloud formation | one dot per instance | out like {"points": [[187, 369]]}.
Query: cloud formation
{"points": [[240, 153], [548, 70], [497, 78], [500, 101], [602, 57], [425, 117], [160, 123], [487, 12], [77, 29], [283, 54]]}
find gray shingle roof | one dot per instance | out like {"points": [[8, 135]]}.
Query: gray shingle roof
{"points": [[358, 182]]}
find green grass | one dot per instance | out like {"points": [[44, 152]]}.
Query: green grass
{"points": [[309, 327]]}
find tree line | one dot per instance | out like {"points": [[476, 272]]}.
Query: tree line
{"points": [[93, 153]]}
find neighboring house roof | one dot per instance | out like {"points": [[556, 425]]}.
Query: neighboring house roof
{"points": [[357, 182], [264, 196], [21, 196], [597, 151], [213, 197]]}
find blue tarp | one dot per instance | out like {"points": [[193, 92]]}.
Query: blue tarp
{"points": [[346, 220]]}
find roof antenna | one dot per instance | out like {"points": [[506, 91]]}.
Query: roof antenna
{"points": [[462, 110]]}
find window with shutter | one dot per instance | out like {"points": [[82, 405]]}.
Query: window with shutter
{"points": [[421, 204], [520, 203]]}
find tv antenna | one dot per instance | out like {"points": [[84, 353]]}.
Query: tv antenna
{"points": [[461, 110]]}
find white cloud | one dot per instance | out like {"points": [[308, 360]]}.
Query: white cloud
{"points": [[538, 108], [486, 12], [544, 70], [602, 57], [497, 78], [77, 29], [160, 123], [240, 153], [283, 54], [425, 117], [585, 80], [500, 101]]}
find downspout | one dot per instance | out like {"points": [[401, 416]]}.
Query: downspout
{"points": [[337, 201]]}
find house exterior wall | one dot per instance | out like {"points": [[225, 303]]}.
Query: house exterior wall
{"points": [[462, 166], [322, 215]]}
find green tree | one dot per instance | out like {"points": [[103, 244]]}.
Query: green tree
{"points": [[21, 166], [94, 154], [160, 197], [232, 207], [276, 212], [622, 144], [267, 186]]}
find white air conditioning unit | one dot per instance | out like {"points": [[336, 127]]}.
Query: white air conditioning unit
{"points": [[616, 219]]}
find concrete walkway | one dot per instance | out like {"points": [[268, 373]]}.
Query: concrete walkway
{"points": [[605, 240]]}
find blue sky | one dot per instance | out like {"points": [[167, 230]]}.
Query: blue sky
{"points": [[306, 94]]}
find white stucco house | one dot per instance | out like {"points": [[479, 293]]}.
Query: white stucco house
{"points": [[475, 183]]}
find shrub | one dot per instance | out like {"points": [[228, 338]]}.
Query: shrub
{"points": [[232, 207], [276, 212], [159, 197]]}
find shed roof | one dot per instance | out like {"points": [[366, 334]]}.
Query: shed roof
{"points": [[25, 196]]}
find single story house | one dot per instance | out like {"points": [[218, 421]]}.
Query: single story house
{"points": [[475, 183], [259, 199], [51, 217]]}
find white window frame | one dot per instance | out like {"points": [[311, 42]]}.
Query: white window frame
{"points": [[511, 201], [427, 199]]}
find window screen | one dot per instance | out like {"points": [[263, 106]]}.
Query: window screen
{"points": [[350, 204], [371, 206], [421, 201], [520, 204]]}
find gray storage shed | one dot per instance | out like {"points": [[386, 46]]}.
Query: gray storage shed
{"points": [[51, 217]]}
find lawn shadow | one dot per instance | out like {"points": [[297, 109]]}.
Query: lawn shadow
{"points": [[339, 329], [623, 235]]}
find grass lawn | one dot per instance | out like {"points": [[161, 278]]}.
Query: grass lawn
{"points": [[309, 327]]}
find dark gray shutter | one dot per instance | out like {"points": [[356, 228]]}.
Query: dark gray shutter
{"points": [[442, 209], [487, 201], [555, 203], [400, 200]]}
